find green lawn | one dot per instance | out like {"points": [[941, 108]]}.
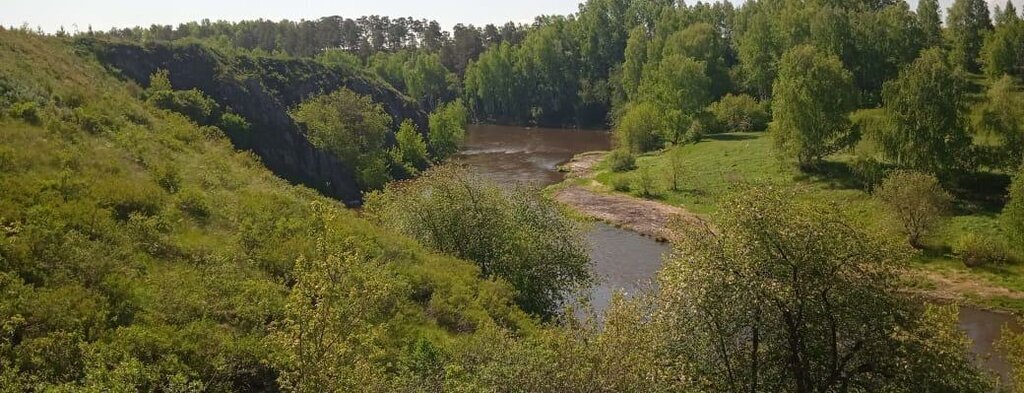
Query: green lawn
{"points": [[719, 164]]}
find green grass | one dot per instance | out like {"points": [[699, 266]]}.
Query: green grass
{"points": [[721, 163]]}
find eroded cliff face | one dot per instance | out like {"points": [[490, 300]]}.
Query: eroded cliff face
{"points": [[262, 90]]}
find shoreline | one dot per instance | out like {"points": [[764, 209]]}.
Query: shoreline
{"points": [[580, 192], [646, 217]]}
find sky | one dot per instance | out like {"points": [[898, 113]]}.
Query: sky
{"points": [[104, 14]]}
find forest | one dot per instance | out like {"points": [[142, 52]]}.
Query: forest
{"points": [[275, 206]]}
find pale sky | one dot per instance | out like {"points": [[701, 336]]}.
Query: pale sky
{"points": [[104, 14]]}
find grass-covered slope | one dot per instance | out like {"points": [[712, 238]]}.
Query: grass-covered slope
{"points": [[139, 251]]}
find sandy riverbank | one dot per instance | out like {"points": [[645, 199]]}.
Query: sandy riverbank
{"points": [[649, 218]]}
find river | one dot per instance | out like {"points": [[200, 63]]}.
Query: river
{"points": [[625, 260]]}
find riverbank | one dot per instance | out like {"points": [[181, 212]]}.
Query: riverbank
{"points": [[586, 191]]}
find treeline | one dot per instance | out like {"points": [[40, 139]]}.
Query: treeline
{"points": [[363, 36]]}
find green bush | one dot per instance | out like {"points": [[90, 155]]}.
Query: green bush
{"points": [[645, 183], [978, 250], [621, 183], [621, 160], [868, 171], [192, 103], [27, 111], [233, 123], [739, 113], [194, 203]]}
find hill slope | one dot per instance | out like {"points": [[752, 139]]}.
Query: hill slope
{"points": [[139, 251]]}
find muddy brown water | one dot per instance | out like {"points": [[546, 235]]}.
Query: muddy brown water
{"points": [[623, 260]]}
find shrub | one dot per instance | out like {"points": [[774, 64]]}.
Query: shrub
{"points": [[27, 111], [512, 234], [1013, 214], [739, 113], [917, 200], [621, 160], [868, 171], [621, 183], [194, 203], [644, 182], [233, 123], [191, 103], [977, 250]]}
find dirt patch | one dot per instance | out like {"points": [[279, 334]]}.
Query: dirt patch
{"points": [[649, 218], [582, 165], [960, 287]]}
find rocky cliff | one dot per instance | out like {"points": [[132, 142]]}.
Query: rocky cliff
{"points": [[262, 90]]}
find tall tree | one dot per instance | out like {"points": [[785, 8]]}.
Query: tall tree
{"points": [[812, 99], [925, 106], [967, 25], [785, 296]]}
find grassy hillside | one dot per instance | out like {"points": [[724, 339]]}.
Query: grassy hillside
{"points": [[714, 167], [139, 251]]}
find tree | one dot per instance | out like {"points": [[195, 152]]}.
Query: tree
{"points": [[680, 89], [1003, 53], [1001, 118], [1013, 214], [917, 200], [925, 108], [676, 168], [929, 20], [784, 295], [426, 79], [511, 234], [353, 128], [1006, 15], [967, 24], [410, 151], [757, 50], [447, 129], [812, 99], [633, 65]]}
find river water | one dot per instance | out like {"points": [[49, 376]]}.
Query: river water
{"points": [[624, 260]]}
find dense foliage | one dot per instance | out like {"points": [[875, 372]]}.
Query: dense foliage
{"points": [[352, 127], [513, 234], [812, 98], [788, 296]]}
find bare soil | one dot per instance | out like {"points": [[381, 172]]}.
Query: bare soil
{"points": [[649, 218]]}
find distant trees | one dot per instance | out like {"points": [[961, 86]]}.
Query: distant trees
{"points": [[789, 296], [929, 20], [352, 127], [812, 99], [1003, 52], [966, 25], [512, 234], [917, 200], [925, 106]]}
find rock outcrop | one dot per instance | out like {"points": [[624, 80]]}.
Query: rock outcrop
{"points": [[262, 90]]}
